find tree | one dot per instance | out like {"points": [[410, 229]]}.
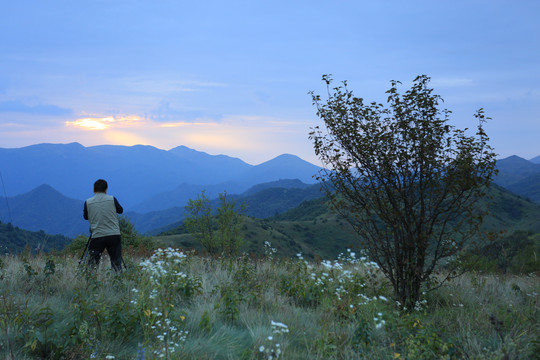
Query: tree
{"points": [[406, 180], [218, 231]]}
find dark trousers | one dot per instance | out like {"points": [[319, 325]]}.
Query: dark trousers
{"points": [[113, 244]]}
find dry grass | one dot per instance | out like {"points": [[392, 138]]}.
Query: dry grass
{"points": [[474, 317]]}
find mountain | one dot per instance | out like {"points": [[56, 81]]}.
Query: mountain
{"points": [[520, 176], [44, 208], [513, 169], [285, 166], [528, 187], [535, 160], [180, 196], [137, 173], [275, 200], [262, 201]]}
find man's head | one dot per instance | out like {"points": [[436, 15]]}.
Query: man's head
{"points": [[100, 186]]}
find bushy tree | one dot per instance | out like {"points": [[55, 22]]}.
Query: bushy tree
{"points": [[217, 230], [405, 179]]}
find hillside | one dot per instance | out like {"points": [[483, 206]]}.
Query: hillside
{"points": [[520, 176], [15, 240], [324, 237], [509, 212], [528, 187], [313, 229]]}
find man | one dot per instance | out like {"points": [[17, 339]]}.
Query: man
{"points": [[100, 210]]}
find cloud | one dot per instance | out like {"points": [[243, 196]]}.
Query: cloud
{"points": [[106, 122], [168, 114], [13, 106]]}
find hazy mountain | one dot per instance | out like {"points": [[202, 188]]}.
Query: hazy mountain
{"points": [[262, 201], [154, 221], [535, 160], [136, 173], [513, 169], [285, 166], [520, 176], [528, 187], [180, 196], [276, 200], [45, 209]]}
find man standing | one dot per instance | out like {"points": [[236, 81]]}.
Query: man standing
{"points": [[100, 210]]}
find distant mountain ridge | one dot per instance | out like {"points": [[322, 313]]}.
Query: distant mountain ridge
{"points": [[520, 176], [535, 160], [45, 208], [138, 173]]}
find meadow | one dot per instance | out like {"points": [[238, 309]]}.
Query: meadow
{"points": [[175, 305]]}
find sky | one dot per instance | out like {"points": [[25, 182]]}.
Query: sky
{"points": [[232, 77]]}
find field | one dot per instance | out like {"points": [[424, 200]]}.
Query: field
{"points": [[175, 305]]}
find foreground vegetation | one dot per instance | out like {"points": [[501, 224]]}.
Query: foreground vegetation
{"points": [[175, 305]]}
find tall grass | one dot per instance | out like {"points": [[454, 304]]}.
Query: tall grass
{"points": [[192, 307]]}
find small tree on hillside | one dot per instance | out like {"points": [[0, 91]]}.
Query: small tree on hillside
{"points": [[406, 180], [217, 230]]}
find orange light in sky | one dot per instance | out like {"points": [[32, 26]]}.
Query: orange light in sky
{"points": [[104, 123]]}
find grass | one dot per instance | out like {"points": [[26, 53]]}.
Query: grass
{"points": [[225, 309]]}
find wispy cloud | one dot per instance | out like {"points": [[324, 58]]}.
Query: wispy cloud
{"points": [[168, 113], [14, 106]]}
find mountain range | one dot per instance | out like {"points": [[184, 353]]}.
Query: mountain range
{"points": [[45, 208], [138, 174], [154, 185]]}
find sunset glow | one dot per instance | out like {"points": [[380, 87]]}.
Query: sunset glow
{"points": [[104, 123], [192, 75]]}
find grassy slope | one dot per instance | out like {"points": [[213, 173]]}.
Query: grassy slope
{"points": [[326, 237], [75, 314], [313, 229]]}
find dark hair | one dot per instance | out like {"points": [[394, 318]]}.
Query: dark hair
{"points": [[100, 186]]}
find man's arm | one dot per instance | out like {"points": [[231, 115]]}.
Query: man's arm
{"points": [[119, 208], [85, 211]]}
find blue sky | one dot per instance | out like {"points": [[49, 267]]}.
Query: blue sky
{"points": [[233, 77]]}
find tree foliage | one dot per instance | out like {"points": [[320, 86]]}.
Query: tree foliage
{"points": [[218, 230], [403, 177]]}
